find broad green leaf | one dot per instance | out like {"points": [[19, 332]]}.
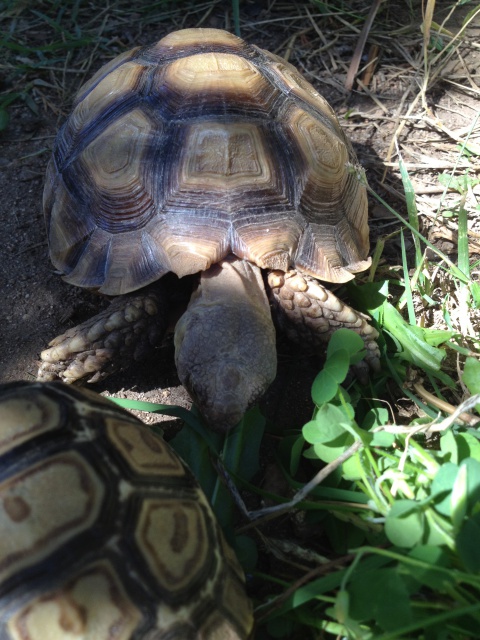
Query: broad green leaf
{"points": [[430, 576], [471, 376], [441, 488], [405, 524], [334, 372], [324, 388], [382, 439], [436, 337], [382, 596], [458, 498], [468, 446], [448, 446], [467, 544], [473, 482], [347, 340], [328, 433], [368, 297], [341, 607], [438, 531], [330, 452], [326, 427], [376, 417], [312, 432], [352, 468]]}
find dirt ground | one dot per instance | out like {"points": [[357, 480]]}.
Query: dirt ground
{"points": [[38, 305]]}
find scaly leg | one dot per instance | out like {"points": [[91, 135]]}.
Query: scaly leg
{"points": [[110, 341], [309, 313]]}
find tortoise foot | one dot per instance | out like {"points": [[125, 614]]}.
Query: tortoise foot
{"points": [[310, 313], [108, 342]]}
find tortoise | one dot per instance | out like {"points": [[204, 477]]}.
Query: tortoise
{"points": [[104, 531], [202, 154]]}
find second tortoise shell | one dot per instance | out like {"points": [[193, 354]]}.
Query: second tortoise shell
{"points": [[180, 153]]}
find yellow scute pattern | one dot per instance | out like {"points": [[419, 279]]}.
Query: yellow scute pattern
{"points": [[172, 536], [44, 507], [25, 419], [142, 450], [92, 606]]}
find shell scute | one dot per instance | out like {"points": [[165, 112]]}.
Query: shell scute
{"points": [[37, 515], [142, 452], [118, 162], [188, 42], [73, 608], [190, 87], [116, 93], [173, 539], [293, 84], [104, 71]]}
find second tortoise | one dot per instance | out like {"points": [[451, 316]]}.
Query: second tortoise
{"points": [[207, 157]]}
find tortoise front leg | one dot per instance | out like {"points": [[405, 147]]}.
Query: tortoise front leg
{"points": [[309, 313], [110, 341]]}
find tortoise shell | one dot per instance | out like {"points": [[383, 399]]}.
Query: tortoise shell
{"points": [[104, 532], [180, 153]]}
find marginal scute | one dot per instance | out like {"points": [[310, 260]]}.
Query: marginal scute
{"points": [[112, 265], [68, 232], [51, 181], [270, 243], [232, 599], [218, 627], [349, 242], [92, 255], [190, 242], [318, 256], [89, 606]]}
